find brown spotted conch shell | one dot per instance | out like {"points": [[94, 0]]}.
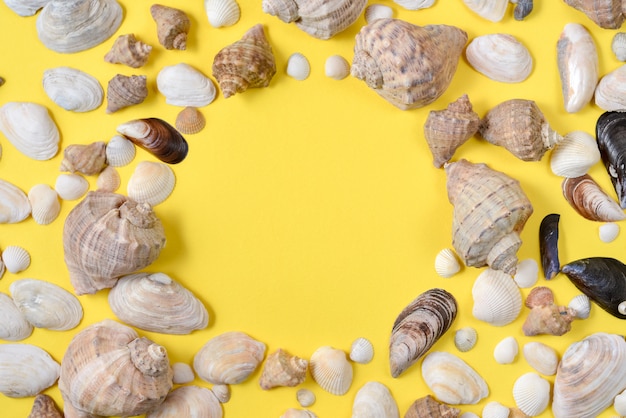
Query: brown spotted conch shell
{"points": [[44, 407], [172, 26], [129, 51], [389, 57]]}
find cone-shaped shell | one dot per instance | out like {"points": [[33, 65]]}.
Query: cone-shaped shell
{"points": [[26, 370], [44, 407], [608, 14], [331, 370], [152, 182], [388, 56], [31, 129], [124, 91], [611, 137], [157, 137], [13, 324], [72, 89], [188, 401], [283, 369], [374, 400], [87, 159], [129, 51], [590, 200], [172, 26]]}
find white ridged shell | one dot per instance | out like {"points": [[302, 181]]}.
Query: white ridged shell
{"points": [[531, 393], [222, 12], [506, 351], [541, 357], [331, 370], [415, 4], [152, 182], [500, 56], [44, 203], [526, 273], [183, 85], [361, 351], [574, 155], [305, 397], [497, 299], [465, 339], [374, 400], [26, 370], [495, 409], [608, 232], [618, 46], [581, 305], [120, 151], [489, 9], [15, 258], [610, 93], [14, 203], [25, 7], [188, 401], [73, 89], [336, 67], [31, 129], [298, 66], [13, 324], [447, 263], [71, 186], [109, 179], [377, 11], [183, 373]]}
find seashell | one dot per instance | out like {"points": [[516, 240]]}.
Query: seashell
{"points": [[87, 159], [13, 324], [321, 19], [336, 67], [492, 236], [452, 380], [44, 202], [298, 413], [374, 399], [15, 258], [228, 358], [46, 305], [183, 373], [497, 299], [618, 46], [221, 392], [548, 245], [14, 203], [71, 186], [500, 57], [446, 263], [44, 407], [446, 130], [610, 90], [539, 296], [154, 302], [172, 26], [331, 370], [545, 316], [519, 126], [610, 136], [120, 151], [577, 60], [69, 26], [126, 235], [109, 180], [246, 63], [283, 369], [581, 305], [396, 71], [522, 9], [492, 10], [25, 7], [73, 89], [469, 415], [526, 273], [29, 128], [414, 4], [591, 373], [588, 199], [183, 85], [465, 339], [619, 403], [128, 50], [152, 182], [608, 232], [305, 397], [157, 137], [361, 351], [26, 370], [188, 401], [531, 393], [222, 12], [377, 11], [506, 351], [427, 406], [495, 409], [541, 357], [298, 66], [607, 14], [109, 370], [190, 120], [574, 155], [418, 327], [124, 91]]}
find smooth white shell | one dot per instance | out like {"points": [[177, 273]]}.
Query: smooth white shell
{"points": [[305, 397], [500, 56], [331, 370], [26, 370], [15, 258], [497, 299], [506, 351], [610, 93], [183, 373], [531, 393], [377, 11], [581, 305], [298, 66], [574, 155], [495, 409], [25, 7], [374, 399], [541, 357], [13, 324], [415, 4], [183, 85], [336, 67], [465, 339], [619, 403], [489, 9], [526, 273], [71, 186], [30, 128], [44, 203], [120, 151], [73, 89], [608, 232], [222, 12], [447, 263], [361, 351], [14, 203], [152, 182]]}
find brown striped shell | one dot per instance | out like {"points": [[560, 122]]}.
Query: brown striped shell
{"points": [[124, 91], [157, 137], [590, 201]]}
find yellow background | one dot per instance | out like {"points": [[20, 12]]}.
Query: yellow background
{"points": [[309, 213]]}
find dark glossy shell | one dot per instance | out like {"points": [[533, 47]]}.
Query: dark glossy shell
{"points": [[157, 137], [522, 9], [548, 245], [611, 137]]}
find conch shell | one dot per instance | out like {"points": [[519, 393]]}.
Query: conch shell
{"points": [[283, 369], [172, 26], [608, 14], [389, 57], [129, 51], [87, 159]]}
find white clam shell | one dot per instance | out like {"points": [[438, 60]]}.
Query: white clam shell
{"points": [[298, 66], [222, 12], [305, 397], [377, 11], [26, 370], [500, 56], [415, 4], [506, 351], [183, 85], [497, 299], [331, 370], [30, 128], [468, 415], [109, 179], [120, 151], [493, 10], [465, 339], [13, 324], [152, 182], [25, 7], [14, 203], [361, 351], [336, 67], [581, 305], [618, 46], [44, 203], [610, 93], [495, 409], [531, 393], [526, 273], [15, 258], [374, 400], [608, 232], [447, 263], [574, 155], [71, 186], [222, 392], [191, 401], [73, 89], [541, 357], [183, 373], [298, 413], [619, 403]]}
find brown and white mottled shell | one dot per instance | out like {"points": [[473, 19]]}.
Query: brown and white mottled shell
{"points": [[30, 128], [331, 370], [427, 406], [44, 407], [13, 324], [128, 50], [283, 369], [608, 14], [88, 159], [590, 201], [26, 370], [172, 26], [44, 203], [124, 91], [157, 137], [389, 57], [151, 182], [500, 57], [374, 399], [188, 401], [190, 120], [497, 299]]}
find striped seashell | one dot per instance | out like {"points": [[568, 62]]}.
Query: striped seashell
{"points": [[124, 91], [608, 232], [72, 89], [427, 406], [361, 351], [465, 339], [129, 51], [574, 155], [590, 201], [298, 66], [152, 182], [44, 203], [497, 299], [581, 305], [331, 370], [377, 11], [71, 186], [109, 180], [610, 90], [13, 324], [119, 151], [30, 128], [190, 120], [336, 67], [15, 258], [157, 137], [305, 397], [183, 373], [374, 399], [452, 380], [446, 263], [25, 7], [88, 159], [506, 351], [414, 4], [14, 203], [541, 357], [222, 12], [191, 401], [526, 273]]}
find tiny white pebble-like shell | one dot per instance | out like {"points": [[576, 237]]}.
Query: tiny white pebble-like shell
{"points": [[183, 373], [619, 403], [500, 56], [361, 351], [336, 67], [109, 179], [222, 392], [531, 393], [298, 66], [305, 397], [120, 151], [222, 12], [377, 11], [465, 338], [506, 351], [495, 409], [152, 182], [447, 263], [574, 155], [527, 273], [331, 370], [45, 204], [541, 357], [608, 232], [15, 258], [618, 46], [581, 305], [71, 186]]}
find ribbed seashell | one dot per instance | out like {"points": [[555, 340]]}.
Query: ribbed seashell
{"points": [[13, 324], [577, 60], [152, 182], [495, 409], [618, 46], [190, 121], [183, 85], [608, 232], [172, 26], [498, 209], [120, 151], [321, 19], [505, 352], [377, 11], [222, 392], [109, 370], [331, 370], [607, 14], [25, 7], [374, 400], [549, 245], [88, 159], [188, 401], [590, 201], [581, 305], [72, 89], [519, 126], [15, 258], [283, 369], [446, 130], [591, 373], [305, 397], [71, 186], [500, 57], [46, 305], [30, 128], [109, 180], [574, 155], [336, 67], [157, 137], [492, 10], [26, 370], [222, 12], [414, 4], [183, 373], [44, 407], [228, 358], [298, 413], [447, 263], [541, 357], [611, 135], [128, 50], [106, 236], [497, 299], [155, 302], [298, 66], [69, 26], [124, 91], [427, 406], [526, 273], [452, 380], [45, 204], [388, 57], [465, 338], [246, 63], [361, 351], [14, 203]]}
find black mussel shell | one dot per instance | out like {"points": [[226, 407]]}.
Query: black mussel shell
{"points": [[157, 137], [602, 279], [548, 245], [611, 137]]}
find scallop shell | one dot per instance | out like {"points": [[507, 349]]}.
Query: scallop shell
{"points": [[183, 85], [222, 392], [581, 305], [305, 397], [377, 11], [26, 370], [331, 370], [374, 399], [152, 182], [222, 12], [44, 407], [120, 151], [183, 373], [88, 159], [414, 4], [190, 401], [13, 324], [574, 155], [157, 137], [69, 26], [541, 357], [283, 369], [15, 258], [495, 409], [336, 67], [590, 201], [492, 10], [72, 89], [124, 91], [427, 406], [497, 299], [172, 26], [45, 204], [14, 203], [505, 352], [30, 128], [298, 66], [109, 180], [130, 51], [155, 302], [228, 358], [610, 134], [465, 339], [446, 263], [608, 232], [71, 186], [618, 46], [25, 7], [361, 351], [500, 56], [610, 90], [549, 245], [526, 273], [190, 120], [607, 14]]}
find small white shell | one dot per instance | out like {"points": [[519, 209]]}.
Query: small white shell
{"points": [[526, 273], [581, 305], [331, 370], [574, 155], [222, 12], [361, 351], [298, 413], [26, 370], [465, 339], [618, 46], [109, 179], [495, 409], [493, 10], [15, 258], [500, 56], [610, 93], [298, 66], [619, 403], [506, 351], [31, 129], [497, 299], [72, 89], [336, 67], [14, 203], [377, 11], [222, 392], [120, 151], [183, 373], [13, 324], [305, 397], [447, 263], [45, 204], [71, 186], [152, 182], [183, 85], [374, 399], [541, 357], [531, 393], [415, 4], [608, 232]]}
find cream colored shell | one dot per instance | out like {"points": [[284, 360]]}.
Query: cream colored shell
{"points": [[495, 409], [336, 67], [574, 155], [14, 203], [500, 56], [109, 179], [505, 352], [446, 263], [13, 324], [31, 129], [305, 397], [497, 299], [73, 89], [120, 151], [15, 258], [465, 339], [183, 373], [45, 204], [188, 401], [414, 4], [581, 305], [26, 370], [71, 186], [331, 370], [298, 66], [377, 11], [374, 400], [608, 232], [526, 273], [152, 182], [610, 92], [541, 357], [222, 13], [184, 85]]}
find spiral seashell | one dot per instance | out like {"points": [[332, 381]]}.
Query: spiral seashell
{"points": [[446, 263], [157, 137], [526, 273], [610, 135], [14, 203], [427, 406], [30, 128], [188, 401], [222, 12], [414, 4], [418, 327], [331, 370], [590, 201], [377, 11], [88, 159], [618, 46], [581, 305], [574, 155], [44, 407], [465, 339], [124, 91], [282, 369], [183, 373], [610, 90], [608, 232], [73, 89], [548, 245], [298, 66], [15, 258], [492, 10], [374, 399], [361, 351], [128, 50], [109, 180], [44, 202], [607, 14], [541, 357], [26, 370], [336, 67], [506, 351], [183, 85], [497, 299], [25, 7], [190, 121], [305, 397], [247, 63], [500, 57], [152, 182], [71, 186], [172, 26], [388, 57], [13, 324], [531, 393], [119, 151]]}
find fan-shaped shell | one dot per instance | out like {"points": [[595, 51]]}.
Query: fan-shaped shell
{"points": [[505, 352], [70, 186], [15, 258], [188, 401], [298, 66], [109, 180], [152, 182], [283, 369], [120, 151], [190, 120], [574, 155], [14, 203], [88, 159], [465, 338], [73, 89], [183, 85], [26, 370], [589, 200], [374, 399], [497, 299], [446, 263], [124, 91], [541, 357], [129, 51], [13, 324], [222, 12], [30, 128], [172, 26], [331, 370], [492, 10], [25, 7], [581, 305], [157, 137], [361, 351], [45, 204], [336, 67], [377, 11], [500, 56]]}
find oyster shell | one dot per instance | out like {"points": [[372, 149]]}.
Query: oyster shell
{"points": [[88, 159], [44, 407], [607, 14], [541, 357], [129, 51], [611, 137], [13, 324], [361, 351], [73, 89], [191, 401], [222, 12], [610, 90], [492, 10], [283, 369], [172, 26], [25, 7], [71, 186], [500, 57], [548, 245], [124, 91], [190, 120], [331, 370], [157, 137], [590, 201], [26, 370], [497, 299], [44, 202], [574, 155], [374, 399], [427, 406], [183, 85], [152, 182], [14, 203], [31, 129]]}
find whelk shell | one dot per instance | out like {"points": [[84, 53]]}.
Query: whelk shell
{"points": [[497, 299], [608, 232], [589, 200], [222, 12], [283, 369], [25, 7], [374, 399], [14, 203], [26, 370], [610, 90], [31, 129], [336, 67], [427, 406], [157, 137], [541, 357], [190, 120], [120, 151], [611, 137], [13, 324], [72, 89], [188, 401], [549, 245], [377, 11], [71, 186], [15, 258], [44, 407], [531, 393], [607, 14], [505, 352], [183, 85], [88, 159], [124, 91], [465, 339], [172, 26], [331, 370], [128, 50], [574, 155], [492, 10], [446, 263], [152, 182], [500, 56], [298, 66], [361, 351]]}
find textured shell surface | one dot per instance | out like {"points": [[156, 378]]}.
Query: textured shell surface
{"points": [[120, 151], [590, 201], [495, 409], [14, 203], [505, 352], [619, 404], [228, 358], [25, 7], [125, 90], [531, 393], [492, 10], [415, 4], [610, 90], [155, 302], [44, 407], [608, 232], [581, 304], [418, 327], [69, 26], [611, 137], [298, 66], [190, 120], [222, 392], [283, 369], [13, 324], [31, 129], [305, 397], [71, 186], [465, 339], [527, 273], [452, 380], [184, 85], [188, 401], [500, 56], [577, 60], [151, 182], [172, 26], [550, 318], [374, 400], [447, 263], [497, 298], [108, 180], [361, 351], [222, 13], [157, 137], [298, 413], [387, 56], [574, 155], [336, 67], [73, 89], [128, 50], [427, 406], [607, 14], [377, 11], [331, 370], [549, 245], [618, 46], [15, 258], [26, 370], [183, 373], [88, 159], [44, 203], [541, 357]]}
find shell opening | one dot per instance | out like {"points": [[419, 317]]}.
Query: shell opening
{"points": [[621, 308]]}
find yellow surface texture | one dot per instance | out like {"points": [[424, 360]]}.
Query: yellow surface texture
{"points": [[309, 213]]}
